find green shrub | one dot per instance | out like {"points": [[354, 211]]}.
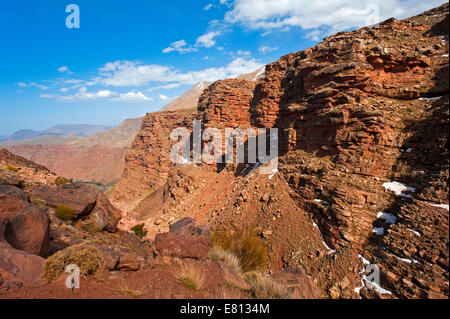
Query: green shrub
{"points": [[61, 181], [64, 213], [139, 230], [86, 257], [246, 245], [12, 168]]}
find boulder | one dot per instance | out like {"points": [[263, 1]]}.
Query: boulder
{"points": [[27, 227], [299, 282], [16, 266], [185, 240], [19, 266], [13, 191], [6, 180], [79, 197], [105, 215], [130, 261]]}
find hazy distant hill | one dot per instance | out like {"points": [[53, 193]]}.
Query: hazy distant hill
{"points": [[81, 130], [98, 157], [120, 136], [42, 140]]}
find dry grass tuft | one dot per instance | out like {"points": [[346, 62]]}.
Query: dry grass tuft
{"points": [[264, 287], [246, 245], [84, 256], [228, 258], [130, 286], [224, 293], [190, 275]]}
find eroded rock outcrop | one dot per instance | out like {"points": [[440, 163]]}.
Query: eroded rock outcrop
{"points": [[185, 239]]}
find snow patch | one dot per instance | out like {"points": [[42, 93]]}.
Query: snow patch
{"points": [[274, 171], [430, 99], [407, 260], [389, 218], [260, 73], [444, 206], [323, 202], [368, 283], [330, 251], [414, 231], [399, 189], [378, 230]]}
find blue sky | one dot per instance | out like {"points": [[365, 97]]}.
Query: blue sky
{"points": [[132, 57]]}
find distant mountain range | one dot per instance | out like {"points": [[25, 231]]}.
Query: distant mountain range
{"points": [[77, 130]]}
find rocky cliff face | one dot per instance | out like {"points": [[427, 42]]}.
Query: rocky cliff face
{"points": [[148, 159], [226, 103], [363, 119]]}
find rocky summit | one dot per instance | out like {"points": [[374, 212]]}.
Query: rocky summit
{"points": [[361, 187]]}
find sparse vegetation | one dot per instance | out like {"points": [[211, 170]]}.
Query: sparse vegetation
{"points": [[129, 286], [90, 227], [64, 213], [190, 275], [61, 181], [139, 230], [224, 293], [84, 256], [12, 168], [246, 245], [228, 258], [265, 287]]}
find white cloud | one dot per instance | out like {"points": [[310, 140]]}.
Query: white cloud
{"points": [[164, 97], [65, 69], [208, 6], [242, 52], [335, 15], [314, 35], [266, 49], [207, 40], [84, 95], [179, 46], [164, 87], [33, 84], [128, 73], [132, 97]]}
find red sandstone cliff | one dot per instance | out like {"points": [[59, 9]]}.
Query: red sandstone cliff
{"points": [[358, 114]]}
